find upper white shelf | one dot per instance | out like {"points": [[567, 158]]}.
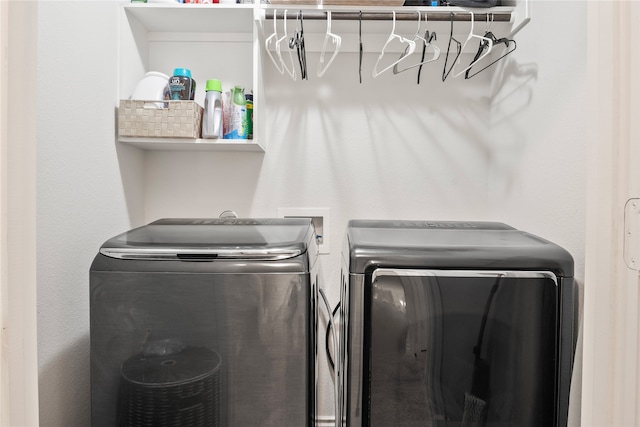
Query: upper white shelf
{"points": [[153, 35], [351, 12], [193, 18]]}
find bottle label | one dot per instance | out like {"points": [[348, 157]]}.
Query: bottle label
{"points": [[180, 88], [237, 122], [249, 120]]}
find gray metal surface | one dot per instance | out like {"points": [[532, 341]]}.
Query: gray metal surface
{"points": [[399, 343], [258, 316], [351, 350], [269, 239], [442, 244], [409, 362], [258, 324], [426, 327], [382, 272], [436, 15]]}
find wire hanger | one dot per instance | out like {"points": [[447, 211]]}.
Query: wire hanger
{"points": [[393, 36], [279, 65], [504, 40], [426, 41], [488, 47], [496, 41], [424, 50], [290, 70], [360, 50], [445, 72], [336, 40], [297, 42]]}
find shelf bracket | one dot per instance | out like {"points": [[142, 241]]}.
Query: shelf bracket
{"points": [[525, 20]]}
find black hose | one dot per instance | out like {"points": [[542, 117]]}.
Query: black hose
{"points": [[326, 338]]}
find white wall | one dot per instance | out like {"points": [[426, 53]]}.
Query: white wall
{"points": [[385, 148], [86, 191], [538, 139]]}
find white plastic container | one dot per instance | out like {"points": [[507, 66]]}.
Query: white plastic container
{"points": [[154, 86], [212, 116]]}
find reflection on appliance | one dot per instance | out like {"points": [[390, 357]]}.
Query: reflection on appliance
{"points": [[204, 313], [174, 388], [454, 351], [406, 352], [459, 325]]}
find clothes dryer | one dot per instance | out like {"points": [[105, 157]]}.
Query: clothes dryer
{"points": [[205, 322], [454, 324]]}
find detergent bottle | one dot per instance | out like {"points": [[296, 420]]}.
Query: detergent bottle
{"points": [[212, 116]]}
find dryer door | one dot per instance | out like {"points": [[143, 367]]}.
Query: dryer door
{"points": [[461, 348]]}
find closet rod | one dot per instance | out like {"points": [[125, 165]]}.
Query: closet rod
{"points": [[439, 15]]}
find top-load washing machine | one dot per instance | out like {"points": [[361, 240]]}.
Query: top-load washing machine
{"points": [[454, 324], [199, 322]]}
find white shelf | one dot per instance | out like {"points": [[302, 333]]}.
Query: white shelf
{"points": [[213, 40], [193, 18], [161, 36], [188, 144]]}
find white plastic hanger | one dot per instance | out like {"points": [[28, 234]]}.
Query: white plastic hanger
{"points": [[393, 36], [336, 40], [489, 23], [290, 70], [469, 38], [279, 64], [426, 43]]}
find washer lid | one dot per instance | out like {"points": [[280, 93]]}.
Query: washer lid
{"points": [[208, 239], [451, 245]]}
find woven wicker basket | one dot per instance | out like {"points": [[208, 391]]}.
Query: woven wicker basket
{"points": [[178, 389], [177, 119]]}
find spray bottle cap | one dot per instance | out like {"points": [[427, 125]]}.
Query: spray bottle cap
{"points": [[214, 84]]}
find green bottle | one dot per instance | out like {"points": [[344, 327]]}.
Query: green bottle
{"points": [[249, 98]]}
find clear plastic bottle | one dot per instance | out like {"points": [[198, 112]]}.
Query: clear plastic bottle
{"points": [[237, 128], [212, 117]]}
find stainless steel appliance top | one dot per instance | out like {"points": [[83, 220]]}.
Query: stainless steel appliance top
{"points": [[375, 244], [207, 239]]}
